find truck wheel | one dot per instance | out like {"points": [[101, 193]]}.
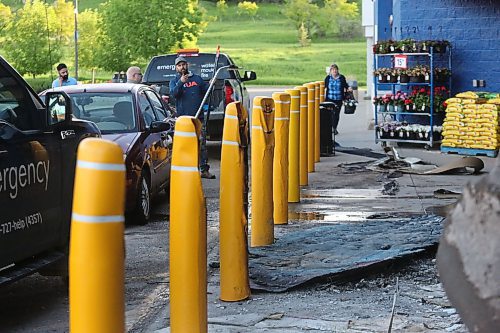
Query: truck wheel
{"points": [[143, 203]]}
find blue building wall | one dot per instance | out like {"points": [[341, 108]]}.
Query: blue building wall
{"points": [[472, 26]]}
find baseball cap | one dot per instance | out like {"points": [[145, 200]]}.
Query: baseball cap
{"points": [[180, 59]]}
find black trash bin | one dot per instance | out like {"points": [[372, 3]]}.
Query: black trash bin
{"points": [[326, 143]]}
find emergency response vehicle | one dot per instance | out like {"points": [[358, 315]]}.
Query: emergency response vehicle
{"points": [[38, 144]]}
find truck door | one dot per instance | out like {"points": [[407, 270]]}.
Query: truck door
{"points": [[30, 181]]}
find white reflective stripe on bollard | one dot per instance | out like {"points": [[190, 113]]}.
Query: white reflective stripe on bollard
{"points": [[185, 134], [230, 143], [98, 218], [100, 166], [184, 168]]}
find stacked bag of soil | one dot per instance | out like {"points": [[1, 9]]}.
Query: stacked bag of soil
{"points": [[472, 121]]}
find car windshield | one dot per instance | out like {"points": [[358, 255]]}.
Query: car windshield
{"points": [[111, 112]]}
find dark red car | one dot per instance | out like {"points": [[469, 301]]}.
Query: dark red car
{"points": [[134, 116]]}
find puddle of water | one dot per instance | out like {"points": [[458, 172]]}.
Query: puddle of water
{"points": [[343, 193], [330, 217]]}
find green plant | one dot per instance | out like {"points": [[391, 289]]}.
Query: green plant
{"points": [[442, 71], [304, 39], [401, 71], [222, 7], [405, 45], [382, 71], [247, 8], [419, 70]]}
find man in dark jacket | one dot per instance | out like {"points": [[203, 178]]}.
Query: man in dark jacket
{"points": [[335, 88], [188, 89]]}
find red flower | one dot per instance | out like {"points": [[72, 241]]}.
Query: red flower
{"points": [[422, 90]]}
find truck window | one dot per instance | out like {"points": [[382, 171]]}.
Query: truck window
{"points": [[162, 68], [16, 104]]}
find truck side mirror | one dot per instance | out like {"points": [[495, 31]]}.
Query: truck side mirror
{"points": [[58, 107], [249, 76]]}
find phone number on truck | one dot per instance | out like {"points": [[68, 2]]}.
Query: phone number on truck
{"points": [[20, 224]]}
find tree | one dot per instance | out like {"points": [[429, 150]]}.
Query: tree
{"points": [[322, 17], [29, 39], [64, 14], [141, 30], [5, 17], [342, 12], [90, 37], [302, 13]]}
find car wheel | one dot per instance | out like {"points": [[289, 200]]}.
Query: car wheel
{"points": [[143, 203]]}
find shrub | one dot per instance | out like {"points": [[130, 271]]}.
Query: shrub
{"points": [[247, 7], [39, 84]]}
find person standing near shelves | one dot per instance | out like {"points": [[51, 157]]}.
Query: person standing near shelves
{"points": [[335, 89]]}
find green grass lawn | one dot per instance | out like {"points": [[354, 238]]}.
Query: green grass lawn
{"points": [[269, 45]]}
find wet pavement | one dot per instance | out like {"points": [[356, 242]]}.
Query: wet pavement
{"points": [[340, 250]]}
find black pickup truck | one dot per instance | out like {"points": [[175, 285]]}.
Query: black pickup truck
{"points": [[38, 143], [228, 87]]}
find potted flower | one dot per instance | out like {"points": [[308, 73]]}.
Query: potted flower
{"points": [[392, 75], [437, 133], [405, 45], [399, 101], [422, 99], [441, 94], [409, 106], [426, 45], [439, 46], [382, 47], [381, 74], [419, 73], [403, 75], [441, 74], [416, 46], [392, 46]]}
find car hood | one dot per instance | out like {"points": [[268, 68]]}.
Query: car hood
{"points": [[125, 140]]}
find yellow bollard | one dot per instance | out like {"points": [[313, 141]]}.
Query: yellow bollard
{"points": [[310, 125], [303, 175], [234, 283], [188, 232], [316, 123], [97, 255], [280, 161], [321, 91], [293, 146], [262, 166]]}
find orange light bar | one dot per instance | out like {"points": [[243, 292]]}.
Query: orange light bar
{"points": [[188, 52]]}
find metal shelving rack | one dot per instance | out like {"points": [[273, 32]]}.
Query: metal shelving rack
{"points": [[393, 87]]}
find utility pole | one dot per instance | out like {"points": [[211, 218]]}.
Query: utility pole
{"points": [[75, 4]]}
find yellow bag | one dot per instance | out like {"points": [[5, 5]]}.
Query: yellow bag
{"points": [[494, 101], [467, 94], [453, 100]]}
